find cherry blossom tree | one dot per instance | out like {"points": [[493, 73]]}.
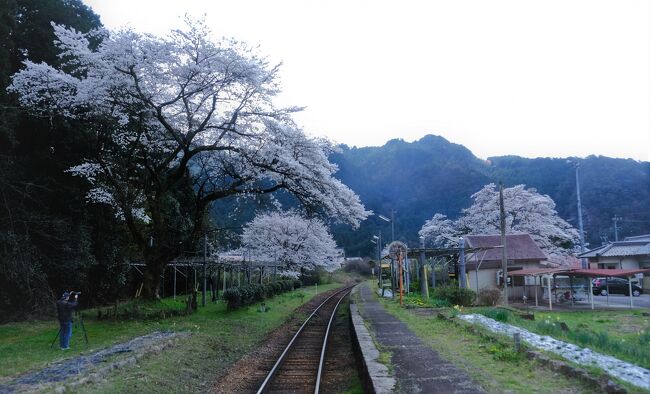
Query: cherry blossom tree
{"points": [[441, 230], [289, 238], [526, 212], [180, 122]]}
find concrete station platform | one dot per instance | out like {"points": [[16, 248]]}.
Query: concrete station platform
{"points": [[416, 367]]}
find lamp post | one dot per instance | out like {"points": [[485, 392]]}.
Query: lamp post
{"points": [[576, 165], [392, 223], [376, 239]]}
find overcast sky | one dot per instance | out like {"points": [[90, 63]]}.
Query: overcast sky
{"points": [[533, 78]]}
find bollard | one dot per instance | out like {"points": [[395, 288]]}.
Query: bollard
{"points": [[517, 338]]}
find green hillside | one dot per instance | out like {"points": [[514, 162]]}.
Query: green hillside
{"points": [[433, 175]]}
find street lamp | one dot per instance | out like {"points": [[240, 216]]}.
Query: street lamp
{"points": [[377, 241], [392, 223]]}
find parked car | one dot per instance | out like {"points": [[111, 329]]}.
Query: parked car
{"points": [[616, 286]]}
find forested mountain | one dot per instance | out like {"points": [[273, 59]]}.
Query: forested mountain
{"points": [[433, 175]]}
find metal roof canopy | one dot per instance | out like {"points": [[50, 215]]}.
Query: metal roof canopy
{"points": [[608, 273], [578, 271]]}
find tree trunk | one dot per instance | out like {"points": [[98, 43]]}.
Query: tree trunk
{"points": [[152, 273]]}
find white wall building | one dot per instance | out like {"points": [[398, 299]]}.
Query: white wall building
{"points": [[631, 253]]}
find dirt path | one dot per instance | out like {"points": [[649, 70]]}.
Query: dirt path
{"points": [[82, 368]]}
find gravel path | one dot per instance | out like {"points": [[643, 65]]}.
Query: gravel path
{"points": [[77, 366], [623, 370]]}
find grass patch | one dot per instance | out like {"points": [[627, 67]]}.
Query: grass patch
{"points": [[355, 387], [492, 363], [622, 334], [414, 299], [218, 338]]}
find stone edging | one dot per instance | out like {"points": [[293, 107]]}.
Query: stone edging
{"points": [[604, 383], [377, 378]]}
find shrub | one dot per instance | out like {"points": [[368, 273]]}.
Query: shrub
{"points": [[310, 278], [238, 297], [297, 284], [455, 295], [489, 297]]}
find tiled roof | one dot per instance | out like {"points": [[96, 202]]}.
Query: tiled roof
{"points": [[632, 246], [519, 247], [627, 250], [645, 238]]}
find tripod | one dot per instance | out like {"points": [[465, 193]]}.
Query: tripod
{"points": [[80, 323]]}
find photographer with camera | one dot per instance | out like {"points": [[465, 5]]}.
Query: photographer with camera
{"points": [[64, 308]]}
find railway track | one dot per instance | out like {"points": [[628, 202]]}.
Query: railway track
{"points": [[300, 367]]}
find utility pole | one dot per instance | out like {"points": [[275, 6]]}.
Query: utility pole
{"points": [[463, 277], [582, 233], [504, 255], [616, 219], [424, 288]]}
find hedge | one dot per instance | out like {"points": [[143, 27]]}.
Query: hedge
{"points": [[455, 295], [255, 292]]}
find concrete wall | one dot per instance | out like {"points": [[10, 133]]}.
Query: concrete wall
{"points": [[487, 279]]}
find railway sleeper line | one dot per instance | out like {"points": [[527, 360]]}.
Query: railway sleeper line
{"points": [[300, 367]]}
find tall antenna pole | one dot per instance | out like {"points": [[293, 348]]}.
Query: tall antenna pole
{"points": [[504, 255]]}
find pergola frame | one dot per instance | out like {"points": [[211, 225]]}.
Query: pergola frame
{"points": [[209, 265]]}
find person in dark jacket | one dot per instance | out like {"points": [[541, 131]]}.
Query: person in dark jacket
{"points": [[64, 308]]}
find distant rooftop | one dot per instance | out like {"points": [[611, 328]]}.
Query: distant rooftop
{"points": [[518, 247], [630, 246], [645, 238]]}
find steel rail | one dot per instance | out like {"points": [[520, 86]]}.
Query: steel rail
{"points": [[324, 348], [276, 367]]}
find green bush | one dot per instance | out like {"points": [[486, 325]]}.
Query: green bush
{"points": [[238, 297], [312, 277], [489, 297], [455, 295]]}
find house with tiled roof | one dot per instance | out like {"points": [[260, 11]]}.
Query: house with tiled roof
{"points": [[522, 253], [631, 253]]}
